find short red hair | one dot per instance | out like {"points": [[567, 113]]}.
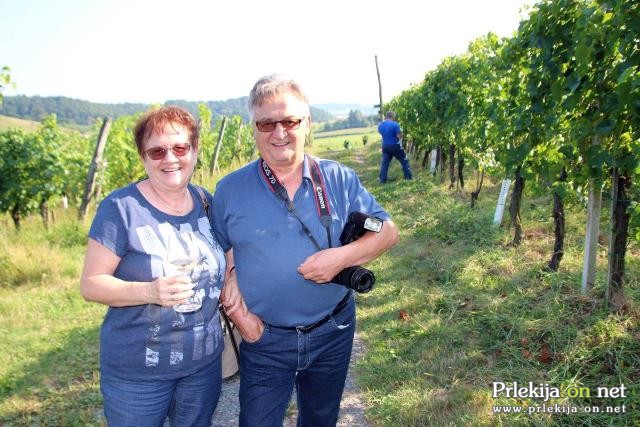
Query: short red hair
{"points": [[154, 121]]}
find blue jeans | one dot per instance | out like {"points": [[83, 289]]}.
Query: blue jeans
{"points": [[388, 153], [316, 362], [187, 401]]}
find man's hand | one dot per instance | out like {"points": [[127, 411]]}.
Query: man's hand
{"points": [[250, 326], [323, 266], [231, 298]]}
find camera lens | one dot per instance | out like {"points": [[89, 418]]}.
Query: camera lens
{"points": [[357, 278], [362, 280]]}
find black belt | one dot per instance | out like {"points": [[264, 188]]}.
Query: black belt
{"points": [[338, 308]]}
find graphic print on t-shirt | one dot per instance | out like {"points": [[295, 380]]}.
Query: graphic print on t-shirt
{"points": [[207, 273]]}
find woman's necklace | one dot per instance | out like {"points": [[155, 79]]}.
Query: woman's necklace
{"points": [[185, 201]]}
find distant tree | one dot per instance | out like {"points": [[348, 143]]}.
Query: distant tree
{"points": [[30, 169], [355, 119], [5, 80], [320, 115]]}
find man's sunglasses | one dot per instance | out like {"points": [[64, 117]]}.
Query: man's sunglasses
{"points": [[159, 153], [287, 124]]}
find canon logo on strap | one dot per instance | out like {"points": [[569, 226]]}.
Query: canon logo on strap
{"points": [[320, 194]]}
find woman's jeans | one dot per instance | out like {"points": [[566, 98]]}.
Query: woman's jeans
{"points": [[388, 153], [316, 362], [187, 401]]}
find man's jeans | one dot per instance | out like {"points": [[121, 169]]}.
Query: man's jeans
{"points": [[187, 401], [389, 152], [316, 362]]}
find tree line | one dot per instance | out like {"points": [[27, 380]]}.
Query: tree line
{"points": [[84, 113], [555, 108], [355, 119]]}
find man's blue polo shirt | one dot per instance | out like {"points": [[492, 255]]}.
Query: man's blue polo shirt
{"points": [[269, 244], [389, 131]]}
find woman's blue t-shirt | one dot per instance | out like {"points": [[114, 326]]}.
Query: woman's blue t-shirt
{"points": [[149, 341]]}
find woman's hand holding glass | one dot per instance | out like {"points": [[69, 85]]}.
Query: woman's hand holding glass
{"points": [[180, 266], [171, 290]]}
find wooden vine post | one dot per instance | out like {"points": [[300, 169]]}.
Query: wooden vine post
{"points": [[620, 216], [93, 168], [236, 149], [380, 114], [214, 160]]}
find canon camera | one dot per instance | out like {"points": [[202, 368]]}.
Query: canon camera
{"points": [[357, 278]]}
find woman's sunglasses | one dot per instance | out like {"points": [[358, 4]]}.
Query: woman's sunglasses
{"points": [[287, 124], [159, 153]]}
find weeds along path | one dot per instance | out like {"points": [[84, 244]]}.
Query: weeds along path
{"points": [[457, 311]]}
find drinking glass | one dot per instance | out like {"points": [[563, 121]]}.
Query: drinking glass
{"points": [[182, 259]]}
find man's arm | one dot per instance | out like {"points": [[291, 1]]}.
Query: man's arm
{"points": [[398, 132], [249, 325], [324, 265]]}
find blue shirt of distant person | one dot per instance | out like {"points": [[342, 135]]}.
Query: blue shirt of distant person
{"points": [[391, 134]]}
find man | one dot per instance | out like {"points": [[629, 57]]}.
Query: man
{"points": [[392, 146], [298, 329]]}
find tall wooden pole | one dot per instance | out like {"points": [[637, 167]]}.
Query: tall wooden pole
{"points": [[93, 168], [214, 160], [236, 149], [620, 216], [381, 116]]}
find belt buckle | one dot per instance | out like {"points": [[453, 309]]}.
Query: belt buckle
{"points": [[337, 309], [311, 327]]}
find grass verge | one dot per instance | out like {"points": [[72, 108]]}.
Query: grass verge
{"points": [[456, 309]]}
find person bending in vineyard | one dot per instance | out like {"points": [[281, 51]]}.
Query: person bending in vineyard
{"points": [[392, 146], [153, 259], [298, 329]]}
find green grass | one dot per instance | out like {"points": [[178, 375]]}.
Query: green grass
{"points": [[455, 308], [7, 122], [333, 141], [49, 366]]}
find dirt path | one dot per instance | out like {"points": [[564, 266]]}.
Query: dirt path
{"points": [[351, 407]]}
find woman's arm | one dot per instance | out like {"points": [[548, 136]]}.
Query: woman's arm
{"points": [[98, 284]]}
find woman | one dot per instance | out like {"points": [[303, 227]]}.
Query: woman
{"points": [[158, 357]]}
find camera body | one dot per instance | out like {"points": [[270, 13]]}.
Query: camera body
{"points": [[357, 278]]}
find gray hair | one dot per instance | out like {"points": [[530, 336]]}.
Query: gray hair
{"points": [[270, 87], [390, 115]]}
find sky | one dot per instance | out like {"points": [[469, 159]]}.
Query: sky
{"points": [[151, 51]]}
